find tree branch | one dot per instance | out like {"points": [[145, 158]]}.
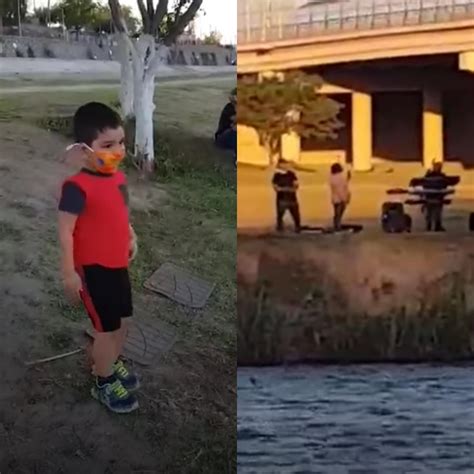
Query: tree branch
{"points": [[160, 13], [117, 16], [181, 22], [145, 16], [150, 8]]}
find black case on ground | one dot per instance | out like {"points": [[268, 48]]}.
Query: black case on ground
{"points": [[394, 219]]}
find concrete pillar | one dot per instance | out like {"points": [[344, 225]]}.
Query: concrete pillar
{"points": [[466, 61], [432, 127], [291, 146], [361, 131]]}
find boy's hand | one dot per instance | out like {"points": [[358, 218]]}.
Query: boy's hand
{"points": [[133, 245], [72, 286]]}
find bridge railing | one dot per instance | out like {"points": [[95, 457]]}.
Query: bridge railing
{"points": [[261, 21]]}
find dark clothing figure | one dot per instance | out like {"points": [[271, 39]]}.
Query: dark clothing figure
{"points": [[435, 181], [339, 209], [226, 135], [285, 184], [227, 140]]}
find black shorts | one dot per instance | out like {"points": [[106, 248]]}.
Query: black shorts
{"points": [[107, 296]]}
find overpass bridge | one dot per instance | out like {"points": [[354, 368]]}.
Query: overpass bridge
{"points": [[420, 51]]}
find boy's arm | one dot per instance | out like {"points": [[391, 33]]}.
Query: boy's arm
{"points": [[133, 236], [133, 243], [71, 206], [67, 223], [71, 280]]}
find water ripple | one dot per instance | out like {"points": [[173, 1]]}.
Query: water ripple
{"points": [[356, 420]]}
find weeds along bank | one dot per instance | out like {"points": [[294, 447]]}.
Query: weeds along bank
{"points": [[355, 298]]}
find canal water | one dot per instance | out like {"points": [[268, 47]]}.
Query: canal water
{"points": [[356, 420]]}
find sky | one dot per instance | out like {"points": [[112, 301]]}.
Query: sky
{"points": [[220, 15]]}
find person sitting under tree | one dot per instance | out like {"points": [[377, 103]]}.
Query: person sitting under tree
{"points": [[285, 184], [226, 134]]}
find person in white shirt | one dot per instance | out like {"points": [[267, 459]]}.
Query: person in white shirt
{"points": [[340, 193]]}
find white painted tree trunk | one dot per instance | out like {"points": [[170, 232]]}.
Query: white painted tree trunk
{"points": [[140, 61], [126, 77], [144, 108]]}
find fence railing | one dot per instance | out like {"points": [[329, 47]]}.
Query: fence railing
{"points": [[269, 20]]}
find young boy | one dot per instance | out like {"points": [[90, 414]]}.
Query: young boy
{"points": [[97, 242], [285, 184]]}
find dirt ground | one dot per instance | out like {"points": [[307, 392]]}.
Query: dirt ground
{"points": [[48, 421]]}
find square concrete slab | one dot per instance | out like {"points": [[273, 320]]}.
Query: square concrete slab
{"points": [[179, 285], [146, 342]]}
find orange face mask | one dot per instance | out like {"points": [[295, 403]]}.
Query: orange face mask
{"points": [[104, 161], [100, 161], [107, 161]]}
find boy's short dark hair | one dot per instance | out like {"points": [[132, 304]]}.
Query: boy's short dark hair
{"points": [[336, 168], [92, 119]]}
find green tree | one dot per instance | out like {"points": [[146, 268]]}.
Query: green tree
{"points": [[214, 37], [43, 15], [79, 13], [9, 12], [285, 103], [103, 20]]}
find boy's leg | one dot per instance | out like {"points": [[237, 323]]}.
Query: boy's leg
{"points": [[128, 379], [121, 337], [101, 297], [104, 352]]}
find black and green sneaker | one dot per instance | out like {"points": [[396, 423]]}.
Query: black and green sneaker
{"points": [[114, 396], [128, 379]]}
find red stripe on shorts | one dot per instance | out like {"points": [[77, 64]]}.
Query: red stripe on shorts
{"points": [[89, 304]]}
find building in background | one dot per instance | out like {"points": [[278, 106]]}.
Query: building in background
{"points": [[404, 71]]}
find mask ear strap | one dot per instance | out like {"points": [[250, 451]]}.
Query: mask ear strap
{"points": [[81, 145]]}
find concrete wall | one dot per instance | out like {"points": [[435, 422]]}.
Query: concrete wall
{"points": [[14, 46], [94, 48]]}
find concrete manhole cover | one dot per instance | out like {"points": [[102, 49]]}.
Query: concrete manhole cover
{"points": [[179, 285]]}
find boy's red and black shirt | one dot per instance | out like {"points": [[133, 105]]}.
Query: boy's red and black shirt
{"points": [[100, 202]]}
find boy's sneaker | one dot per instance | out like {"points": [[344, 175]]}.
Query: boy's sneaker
{"points": [[115, 397], [128, 379]]}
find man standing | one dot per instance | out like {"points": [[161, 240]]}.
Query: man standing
{"points": [[285, 184], [435, 184]]}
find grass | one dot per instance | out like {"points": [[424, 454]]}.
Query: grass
{"points": [[300, 307], [269, 334], [186, 214]]}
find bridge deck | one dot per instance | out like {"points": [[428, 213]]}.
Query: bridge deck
{"points": [[261, 21]]}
